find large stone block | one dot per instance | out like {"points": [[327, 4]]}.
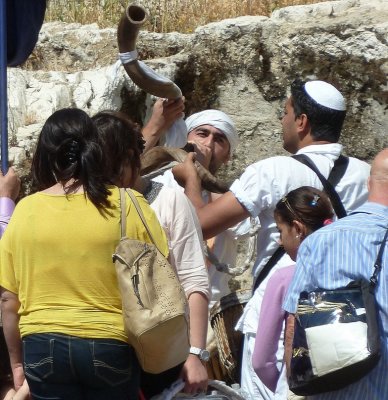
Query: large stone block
{"points": [[242, 66]]}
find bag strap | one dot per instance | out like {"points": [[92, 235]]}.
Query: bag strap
{"points": [[276, 256], [123, 213], [141, 215], [338, 170], [378, 264], [335, 176]]}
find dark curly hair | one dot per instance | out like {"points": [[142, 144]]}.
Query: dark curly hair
{"points": [[121, 141], [67, 148]]}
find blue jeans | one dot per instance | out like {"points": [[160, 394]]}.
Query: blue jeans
{"points": [[61, 367]]}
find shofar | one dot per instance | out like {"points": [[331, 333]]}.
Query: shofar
{"points": [[160, 158], [156, 160], [143, 76]]}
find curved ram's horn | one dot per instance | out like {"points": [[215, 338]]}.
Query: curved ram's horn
{"points": [[143, 76], [159, 156]]}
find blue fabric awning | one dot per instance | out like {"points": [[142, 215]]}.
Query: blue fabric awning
{"points": [[20, 23]]}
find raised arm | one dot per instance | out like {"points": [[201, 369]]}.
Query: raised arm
{"points": [[220, 215], [164, 113], [217, 216]]}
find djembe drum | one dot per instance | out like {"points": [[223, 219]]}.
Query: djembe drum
{"points": [[223, 318]]}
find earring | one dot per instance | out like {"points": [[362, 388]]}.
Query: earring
{"points": [[297, 236]]}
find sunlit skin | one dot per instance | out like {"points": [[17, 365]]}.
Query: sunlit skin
{"points": [[289, 125], [297, 132], [212, 146], [129, 172], [290, 235]]}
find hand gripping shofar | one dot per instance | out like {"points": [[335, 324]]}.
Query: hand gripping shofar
{"points": [[159, 158]]}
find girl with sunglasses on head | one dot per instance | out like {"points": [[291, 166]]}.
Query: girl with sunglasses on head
{"points": [[298, 214]]}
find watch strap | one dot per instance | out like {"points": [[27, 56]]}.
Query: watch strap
{"points": [[195, 350], [202, 354]]}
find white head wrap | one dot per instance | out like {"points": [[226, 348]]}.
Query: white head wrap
{"points": [[326, 95], [219, 120]]}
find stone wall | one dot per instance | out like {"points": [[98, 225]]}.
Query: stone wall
{"points": [[242, 66]]}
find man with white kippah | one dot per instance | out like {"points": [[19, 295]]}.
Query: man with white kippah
{"points": [[312, 123]]}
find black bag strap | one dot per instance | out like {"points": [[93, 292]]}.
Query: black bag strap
{"points": [[338, 170], [335, 176], [378, 264], [276, 256]]}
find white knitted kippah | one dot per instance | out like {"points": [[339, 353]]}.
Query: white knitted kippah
{"points": [[325, 94]]}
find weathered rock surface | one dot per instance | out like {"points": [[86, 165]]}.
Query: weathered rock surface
{"points": [[242, 66]]}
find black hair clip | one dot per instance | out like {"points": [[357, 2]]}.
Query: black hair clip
{"points": [[73, 153]]}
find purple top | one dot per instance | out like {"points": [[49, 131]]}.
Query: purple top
{"points": [[270, 327], [7, 206]]}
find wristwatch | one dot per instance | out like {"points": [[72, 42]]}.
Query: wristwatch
{"points": [[202, 354]]}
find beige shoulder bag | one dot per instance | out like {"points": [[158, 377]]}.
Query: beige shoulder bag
{"points": [[155, 308]]}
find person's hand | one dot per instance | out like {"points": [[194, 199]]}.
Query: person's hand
{"points": [[18, 376], [165, 112], [186, 172], [9, 184], [203, 153], [288, 339], [194, 375], [23, 393]]}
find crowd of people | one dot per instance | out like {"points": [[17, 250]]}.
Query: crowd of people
{"points": [[60, 301]]}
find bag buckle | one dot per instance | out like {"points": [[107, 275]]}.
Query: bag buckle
{"points": [[373, 281]]}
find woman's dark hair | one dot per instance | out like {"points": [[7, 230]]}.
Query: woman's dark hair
{"points": [[121, 141], [306, 204], [67, 148], [326, 123]]}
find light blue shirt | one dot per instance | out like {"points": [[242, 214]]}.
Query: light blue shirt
{"points": [[331, 258]]}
